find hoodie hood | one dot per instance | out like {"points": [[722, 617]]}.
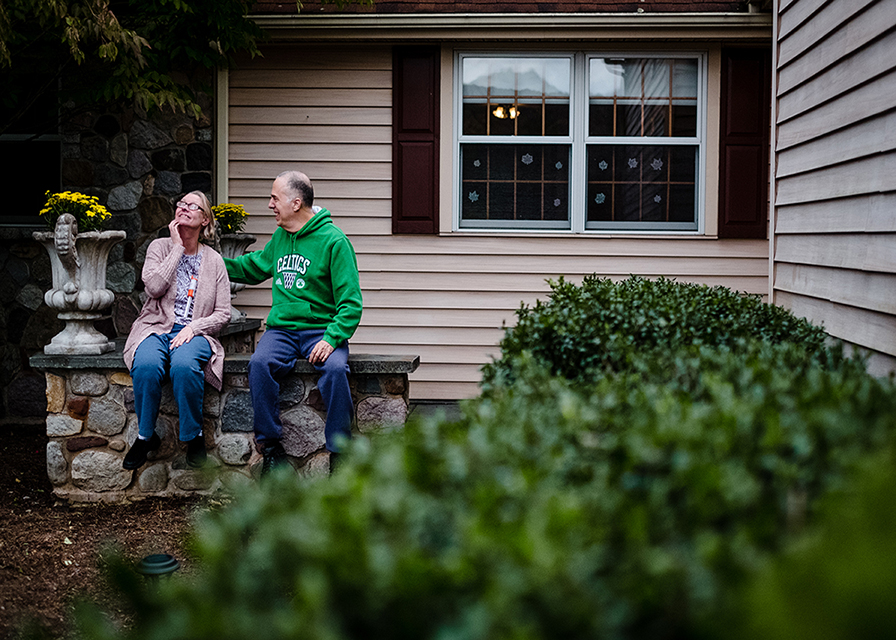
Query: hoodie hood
{"points": [[320, 219]]}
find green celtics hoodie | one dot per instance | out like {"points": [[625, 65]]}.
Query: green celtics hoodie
{"points": [[315, 275]]}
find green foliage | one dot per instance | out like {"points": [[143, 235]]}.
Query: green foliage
{"points": [[631, 509], [599, 328], [632, 505], [133, 52], [80, 25], [837, 583], [143, 52]]}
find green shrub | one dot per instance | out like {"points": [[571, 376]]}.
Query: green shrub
{"points": [[628, 509], [585, 332], [641, 451], [835, 583]]}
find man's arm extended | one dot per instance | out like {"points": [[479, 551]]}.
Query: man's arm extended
{"points": [[251, 268]]}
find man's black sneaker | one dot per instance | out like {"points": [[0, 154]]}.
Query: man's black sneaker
{"points": [[196, 454], [136, 456], [273, 456]]}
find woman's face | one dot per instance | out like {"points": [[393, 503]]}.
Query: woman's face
{"points": [[188, 218]]}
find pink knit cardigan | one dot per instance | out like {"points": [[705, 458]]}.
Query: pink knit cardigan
{"points": [[211, 306]]}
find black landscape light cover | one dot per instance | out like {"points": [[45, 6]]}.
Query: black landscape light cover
{"points": [[158, 564]]}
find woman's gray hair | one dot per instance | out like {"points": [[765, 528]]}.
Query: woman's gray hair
{"points": [[208, 231]]}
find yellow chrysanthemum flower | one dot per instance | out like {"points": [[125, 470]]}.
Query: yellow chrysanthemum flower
{"points": [[87, 210], [230, 217]]}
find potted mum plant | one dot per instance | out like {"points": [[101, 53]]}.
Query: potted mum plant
{"points": [[230, 219], [79, 250]]}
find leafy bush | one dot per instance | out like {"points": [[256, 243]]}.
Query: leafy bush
{"points": [[629, 509], [631, 504], [836, 583], [599, 328]]}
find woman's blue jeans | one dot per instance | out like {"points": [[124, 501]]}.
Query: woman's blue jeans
{"points": [[154, 363]]}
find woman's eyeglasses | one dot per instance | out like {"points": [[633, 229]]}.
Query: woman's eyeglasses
{"points": [[192, 206]]}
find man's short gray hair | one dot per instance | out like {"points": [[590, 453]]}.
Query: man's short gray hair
{"points": [[299, 186]]}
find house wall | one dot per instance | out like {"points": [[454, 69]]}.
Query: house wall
{"points": [[834, 242], [327, 110]]}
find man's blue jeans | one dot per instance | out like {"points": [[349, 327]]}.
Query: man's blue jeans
{"points": [[154, 362], [274, 357]]}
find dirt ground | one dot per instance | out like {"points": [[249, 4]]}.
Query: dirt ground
{"points": [[49, 550]]}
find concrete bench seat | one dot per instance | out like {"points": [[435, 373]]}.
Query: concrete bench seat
{"points": [[91, 422]]}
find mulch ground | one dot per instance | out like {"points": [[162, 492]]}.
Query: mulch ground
{"points": [[50, 550]]}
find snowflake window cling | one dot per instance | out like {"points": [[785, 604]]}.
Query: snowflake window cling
{"points": [[657, 164], [600, 198], [527, 159], [476, 163], [632, 163], [603, 165], [473, 196], [657, 199], [559, 165], [556, 202]]}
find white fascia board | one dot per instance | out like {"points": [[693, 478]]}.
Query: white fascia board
{"points": [[514, 26]]}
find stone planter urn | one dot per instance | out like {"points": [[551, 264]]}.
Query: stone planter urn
{"points": [[234, 245], [79, 291]]}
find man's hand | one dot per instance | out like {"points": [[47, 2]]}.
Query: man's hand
{"points": [[183, 337], [320, 352]]}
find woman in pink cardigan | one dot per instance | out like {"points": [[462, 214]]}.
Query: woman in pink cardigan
{"points": [[174, 336]]}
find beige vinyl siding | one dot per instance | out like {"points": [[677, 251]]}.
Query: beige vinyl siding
{"points": [[444, 298], [835, 208]]}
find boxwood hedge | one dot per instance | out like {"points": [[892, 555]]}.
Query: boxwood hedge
{"points": [[601, 327], [837, 582], [631, 505]]}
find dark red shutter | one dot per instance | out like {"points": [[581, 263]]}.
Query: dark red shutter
{"points": [[415, 140], [745, 139]]}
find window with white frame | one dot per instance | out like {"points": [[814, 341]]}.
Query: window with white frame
{"points": [[580, 141]]}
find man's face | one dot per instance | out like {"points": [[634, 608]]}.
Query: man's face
{"points": [[284, 206]]}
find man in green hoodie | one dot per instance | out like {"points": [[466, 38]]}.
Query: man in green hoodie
{"points": [[315, 309]]}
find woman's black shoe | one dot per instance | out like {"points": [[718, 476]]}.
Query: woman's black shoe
{"points": [[136, 456], [196, 454]]}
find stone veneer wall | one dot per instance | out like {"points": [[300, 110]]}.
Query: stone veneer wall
{"points": [[137, 165], [91, 423]]}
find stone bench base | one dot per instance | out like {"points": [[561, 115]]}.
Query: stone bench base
{"points": [[91, 423]]}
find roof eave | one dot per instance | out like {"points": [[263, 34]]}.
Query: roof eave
{"points": [[542, 26]]}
